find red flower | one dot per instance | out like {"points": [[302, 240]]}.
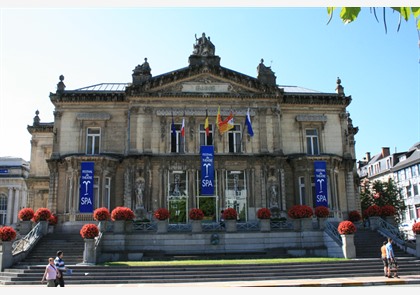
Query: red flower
{"points": [[89, 231], [388, 210], [354, 216], [196, 214], [7, 233], [322, 211], [416, 228], [26, 214], [373, 210], [346, 228], [300, 211], [42, 214], [161, 214], [122, 213], [230, 214], [53, 219], [264, 213], [101, 214]]}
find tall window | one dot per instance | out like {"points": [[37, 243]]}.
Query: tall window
{"points": [[3, 209], [177, 196], [235, 139], [312, 143], [302, 194], [107, 193], [96, 200], [177, 141], [236, 193], [93, 139], [204, 139]]}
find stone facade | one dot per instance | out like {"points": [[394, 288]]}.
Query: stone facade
{"points": [[126, 131]]}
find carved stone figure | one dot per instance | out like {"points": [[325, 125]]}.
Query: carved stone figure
{"points": [[139, 192], [273, 196], [203, 46]]}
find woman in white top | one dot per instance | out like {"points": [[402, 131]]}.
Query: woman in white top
{"points": [[50, 273]]}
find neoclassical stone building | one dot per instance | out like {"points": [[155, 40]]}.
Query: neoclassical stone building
{"points": [[139, 145]]}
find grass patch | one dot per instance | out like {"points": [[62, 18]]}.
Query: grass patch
{"points": [[225, 261]]}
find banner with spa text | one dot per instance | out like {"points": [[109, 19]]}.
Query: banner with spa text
{"points": [[320, 168], [86, 187], [207, 170]]}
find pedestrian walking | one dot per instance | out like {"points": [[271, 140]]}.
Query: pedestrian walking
{"points": [[384, 258], [59, 263], [392, 262], [51, 273]]}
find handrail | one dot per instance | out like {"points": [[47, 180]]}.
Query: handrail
{"points": [[388, 230], [332, 231], [27, 241]]}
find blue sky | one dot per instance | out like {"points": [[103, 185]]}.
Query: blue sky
{"points": [[96, 45]]}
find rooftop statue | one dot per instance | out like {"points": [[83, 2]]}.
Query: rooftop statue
{"points": [[203, 46]]}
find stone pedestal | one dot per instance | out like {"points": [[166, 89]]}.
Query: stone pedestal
{"points": [[306, 224], [230, 225], [349, 250], [43, 227], [25, 227], [102, 225], [374, 222], [297, 225], [162, 226], [119, 226], [265, 225], [89, 256], [391, 220], [6, 257], [196, 226], [321, 222], [417, 245]]}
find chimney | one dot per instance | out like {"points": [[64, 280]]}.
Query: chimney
{"points": [[367, 157], [385, 152]]}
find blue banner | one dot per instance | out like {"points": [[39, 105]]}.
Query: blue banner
{"points": [[320, 168], [86, 187], [207, 170]]}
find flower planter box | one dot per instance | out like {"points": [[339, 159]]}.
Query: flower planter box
{"points": [[162, 226], [230, 225], [196, 226], [119, 226], [265, 225], [349, 250]]}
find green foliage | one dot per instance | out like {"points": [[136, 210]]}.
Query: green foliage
{"points": [[381, 194], [350, 14]]}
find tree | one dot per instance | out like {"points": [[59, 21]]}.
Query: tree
{"points": [[381, 194], [349, 14]]}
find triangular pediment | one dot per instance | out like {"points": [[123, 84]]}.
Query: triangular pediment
{"points": [[203, 81]]}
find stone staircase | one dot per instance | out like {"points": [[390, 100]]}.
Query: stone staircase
{"points": [[368, 244], [368, 263]]}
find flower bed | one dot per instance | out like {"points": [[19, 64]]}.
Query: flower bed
{"points": [[388, 210], [7, 233], [42, 214], [300, 211], [196, 214], [53, 219], [26, 214], [89, 231], [354, 216], [373, 210], [161, 214], [416, 228], [230, 214], [322, 211], [264, 213], [122, 213], [346, 228], [101, 214]]}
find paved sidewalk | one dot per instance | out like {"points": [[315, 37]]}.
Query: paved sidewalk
{"points": [[410, 280]]}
